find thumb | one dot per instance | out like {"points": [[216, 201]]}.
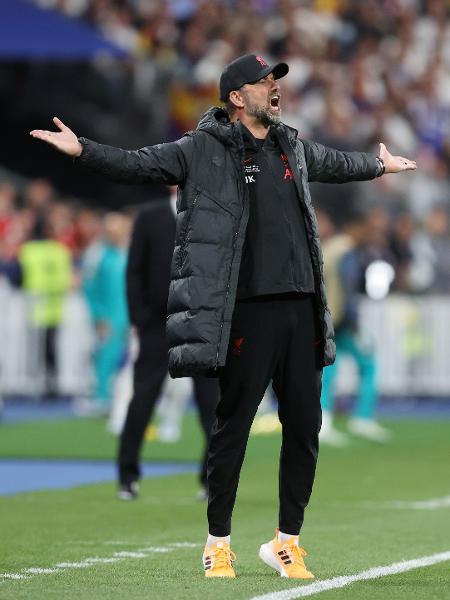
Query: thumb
{"points": [[382, 149], [59, 124]]}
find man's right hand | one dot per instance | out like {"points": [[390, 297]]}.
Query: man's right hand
{"points": [[63, 140]]}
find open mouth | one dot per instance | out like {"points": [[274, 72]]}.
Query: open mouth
{"points": [[275, 102]]}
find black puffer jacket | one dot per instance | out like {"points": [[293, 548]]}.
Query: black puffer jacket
{"points": [[213, 210]]}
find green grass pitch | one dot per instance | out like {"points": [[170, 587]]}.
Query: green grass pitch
{"points": [[350, 524]]}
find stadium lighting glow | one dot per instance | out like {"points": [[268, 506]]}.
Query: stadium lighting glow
{"points": [[379, 276]]}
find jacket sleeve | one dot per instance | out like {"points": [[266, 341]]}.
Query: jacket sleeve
{"points": [[163, 163], [334, 166]]}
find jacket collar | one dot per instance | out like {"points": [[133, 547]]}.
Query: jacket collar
{"points": [[249, 140], [290, 132], [216, 122]]}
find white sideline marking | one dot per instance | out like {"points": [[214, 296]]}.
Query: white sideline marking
{"points": [[157, 550], [431, 504], [185, 545], [92, 561], [339, 582], [116, 543], [40, 570], [125, 554], [100, 560], [72, 565]]}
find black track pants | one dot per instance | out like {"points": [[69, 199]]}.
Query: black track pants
{"points": [[271, 338], [150, 370]]}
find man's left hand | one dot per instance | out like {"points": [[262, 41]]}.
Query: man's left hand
{"points": [[395, 164]]}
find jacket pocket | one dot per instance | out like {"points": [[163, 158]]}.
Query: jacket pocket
{"points": [[220, 203]]}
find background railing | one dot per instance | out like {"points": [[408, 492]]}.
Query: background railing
{"points": [[22, 347], [411, 337]]}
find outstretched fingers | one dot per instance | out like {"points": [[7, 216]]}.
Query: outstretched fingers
{"points": [[49, 136], [396, 164], [406, 164], [63, 140], [59, 124], [40, 134]]}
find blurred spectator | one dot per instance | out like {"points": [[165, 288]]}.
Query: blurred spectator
{"points": [[400, 247], [38, 197], [345, 259], [87, 228], [7, 206], [432, 247], [46, 273], [9, 266], [104, 288], [148, 278], [88, 239], [60, 218]]}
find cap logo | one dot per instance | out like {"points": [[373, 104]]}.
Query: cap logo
{"points": [[261, 61]]}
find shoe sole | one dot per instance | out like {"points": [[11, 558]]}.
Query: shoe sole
{"points": [[266, 555], [126, 496]]}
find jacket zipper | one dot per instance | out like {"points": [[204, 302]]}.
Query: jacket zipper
{"points": [[236, 235], [186, 228], [318, 276]]}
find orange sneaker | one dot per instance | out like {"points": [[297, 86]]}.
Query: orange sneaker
{"points": [[218, 560], [286, 558]]}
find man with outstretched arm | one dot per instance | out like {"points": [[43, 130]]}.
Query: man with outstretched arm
{"points": [[247, 301]]}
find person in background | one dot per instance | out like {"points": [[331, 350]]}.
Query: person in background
{"points": [[148, 278], [88, 228], [9, 266], [344, 268], [432, 247], [39, 196], [103, 284], [7, 206], [61, 218], [46, 275], [400, 246]]}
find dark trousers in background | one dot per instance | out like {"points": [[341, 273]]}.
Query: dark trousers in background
{"points": [[50, 356], [271, 338], [150, 371]]}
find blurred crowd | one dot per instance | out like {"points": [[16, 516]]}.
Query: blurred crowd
{"points": [[361, 71], [49, 248], [418, 250], [375, 69], [36, 212]]}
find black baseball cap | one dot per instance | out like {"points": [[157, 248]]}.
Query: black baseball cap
{"points": [[247, 69]]}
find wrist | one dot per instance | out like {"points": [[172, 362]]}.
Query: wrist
{"points": [[381, 167], [79, 149]]}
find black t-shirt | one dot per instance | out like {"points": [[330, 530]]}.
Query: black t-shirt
{"points": [[276, 257]]}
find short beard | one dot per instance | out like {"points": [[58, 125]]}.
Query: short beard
{"points": [[263, 114]]}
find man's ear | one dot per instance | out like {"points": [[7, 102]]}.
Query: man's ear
{"points": [[237, 99]]}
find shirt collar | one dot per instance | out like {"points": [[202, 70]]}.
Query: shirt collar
{"points": [[251, 143]]}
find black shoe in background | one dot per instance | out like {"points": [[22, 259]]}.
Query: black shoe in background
{"points": [[128, 491]]}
